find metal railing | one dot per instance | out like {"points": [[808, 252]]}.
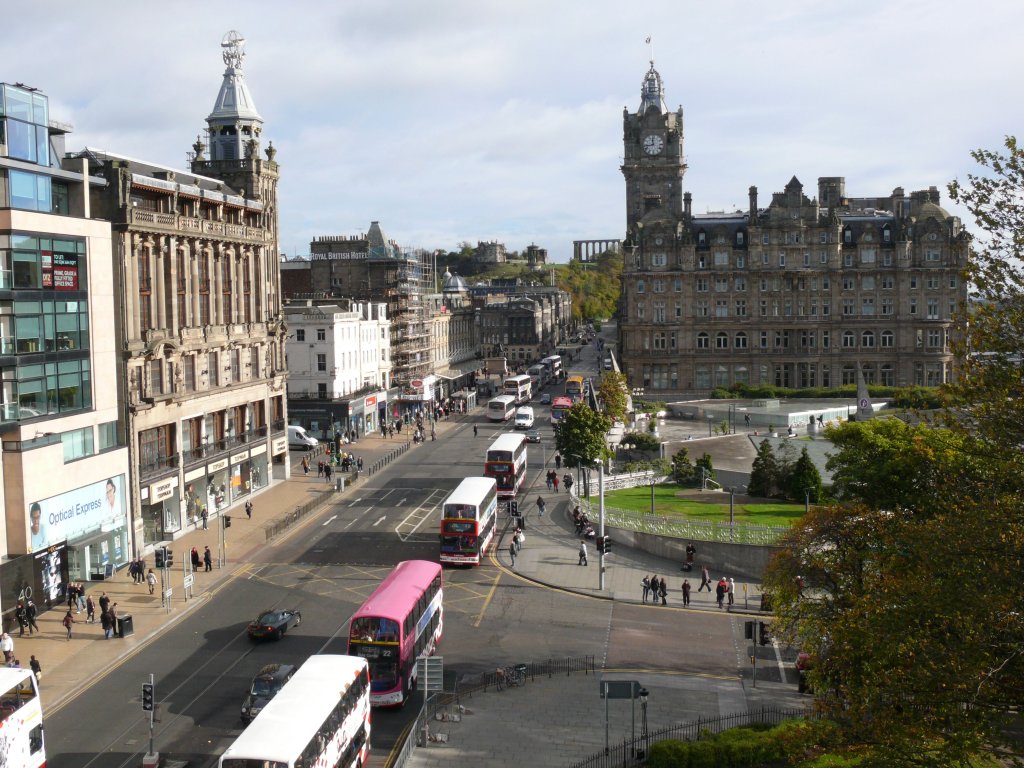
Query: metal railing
{"points": [[691, 528], [635, 751], [280, 525]]}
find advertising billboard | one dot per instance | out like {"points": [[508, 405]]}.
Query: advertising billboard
{"points": [[96, 508]]}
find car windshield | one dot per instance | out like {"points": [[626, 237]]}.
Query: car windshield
{"points": [[267, 618], [265, 687]]}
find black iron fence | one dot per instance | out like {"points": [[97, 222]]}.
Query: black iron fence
{"points": [[275, 528], [635, 751], [382, 462]]}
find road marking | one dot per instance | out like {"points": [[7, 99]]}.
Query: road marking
{"points": [[420, 514], [330, 519], [379, 520], [402, 502], [356, 501], [487, 600]]}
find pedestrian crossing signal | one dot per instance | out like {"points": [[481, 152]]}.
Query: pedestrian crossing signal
{"points": [[607, 544], [227, 521], [147, 697], [600, 544], [513, 508]]}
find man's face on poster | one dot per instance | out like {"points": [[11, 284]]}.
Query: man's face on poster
{"points": [[35, 515]]}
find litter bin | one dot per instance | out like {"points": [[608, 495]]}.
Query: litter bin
{"points": [[125, 626]]}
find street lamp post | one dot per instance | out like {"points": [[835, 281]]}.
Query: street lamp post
{"points": [[643, 720], [652, 493], [711, 419], [600, 492]]}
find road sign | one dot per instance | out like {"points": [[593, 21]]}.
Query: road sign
{"points": [[189, 580], [168, 592], [619, 689]]}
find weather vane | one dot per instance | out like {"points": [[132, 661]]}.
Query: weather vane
{"points": [[651, 46], [233, 45]]}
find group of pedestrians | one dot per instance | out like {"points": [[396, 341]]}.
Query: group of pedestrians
{"points": [[25, 614], [553, 480], [207, 560], [515, 546], [655, 587], [7, 646], [725, 589]]}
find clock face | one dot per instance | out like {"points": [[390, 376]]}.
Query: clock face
{"points": [[653, 144]]}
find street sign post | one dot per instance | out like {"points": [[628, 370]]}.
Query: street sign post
{"points": [[619, 689]]}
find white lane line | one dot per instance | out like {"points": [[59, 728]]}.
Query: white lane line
{"points": [[329, 520], [379, 520], [401, 503], [354, 503]]}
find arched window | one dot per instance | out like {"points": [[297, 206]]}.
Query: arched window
{"points": [[721, 340], [888, 375], [741, 340], [888, 339], [703, 341], [849, 374], [867, 339], [849, 339]]}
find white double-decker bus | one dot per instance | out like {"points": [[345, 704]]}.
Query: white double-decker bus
{"points": [[21, 719], [320, 717], [554, 365], [506, 463], [468, 518], [501, 408], [519, 387]]}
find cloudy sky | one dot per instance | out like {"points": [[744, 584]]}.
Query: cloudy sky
{"points": [[467, 120]]}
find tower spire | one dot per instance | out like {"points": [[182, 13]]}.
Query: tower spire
{"points": [[234, 124]]}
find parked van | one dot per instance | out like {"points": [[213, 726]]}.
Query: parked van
{"points": [[524, 417], [297, 438]]}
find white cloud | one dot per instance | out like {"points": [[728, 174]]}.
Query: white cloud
{"points": [[460, 120]]}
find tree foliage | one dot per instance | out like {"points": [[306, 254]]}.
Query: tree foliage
{"points": [[683, 470], [804, 478], [764, 472], [611, 389], [595, 286], [989, 346], [581, 436]]}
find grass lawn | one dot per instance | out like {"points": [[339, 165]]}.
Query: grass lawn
{"points": [[670, 501]]}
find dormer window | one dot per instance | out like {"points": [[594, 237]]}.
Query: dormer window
{"points": [[886, 234], [702, 238], [739, 237], [847, 235]]}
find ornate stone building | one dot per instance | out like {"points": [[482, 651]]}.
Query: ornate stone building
{"points": [[798, 294], [200, 326]]}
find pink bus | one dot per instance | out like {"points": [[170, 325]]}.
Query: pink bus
{"points": [[401, 620]]}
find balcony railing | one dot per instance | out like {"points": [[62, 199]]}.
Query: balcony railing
{"points": [[159, 465], [278, 425]]}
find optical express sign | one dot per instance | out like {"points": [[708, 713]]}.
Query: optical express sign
{"points": [[96, 507]]}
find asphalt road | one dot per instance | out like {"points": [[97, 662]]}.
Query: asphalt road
{"points": [[325, 568]]}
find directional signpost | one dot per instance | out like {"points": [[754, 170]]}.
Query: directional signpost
{"points": [[619, 689]]}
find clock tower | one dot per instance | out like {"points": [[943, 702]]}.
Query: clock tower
{"points": [[653, 162]]}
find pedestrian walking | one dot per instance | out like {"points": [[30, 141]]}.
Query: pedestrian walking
{"points": [[151, 580], [327, 472], [37, 668], [305, 465], [663, 590], [320, 468], [7, 646], [19, 616], [540, 506], [512, 552], [248, 512], [195, 559], [567, 479], [207, 559], [519, 540], [206, 519], [30, 614], [686, 592], [731, 592], [646, 583], [68, 622], [90, 608], [554, 479], [104, 602], [106, 622], [720, 590], [583, 553], [547, 479], [705, 579], [558, 461]]}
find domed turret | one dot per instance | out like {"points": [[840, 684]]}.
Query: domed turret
{"points": [[652, 93]]}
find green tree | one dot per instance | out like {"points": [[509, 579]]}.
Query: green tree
{"points": [[595, 286], [804, 478], [611, 390], [990, 383], [704, 463], [581, 436], [887, 464], [683, 471], [764, 472]]}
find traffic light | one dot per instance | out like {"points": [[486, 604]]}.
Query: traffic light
{"points": [[763, 637], [513, 508], [600, 545], [749, 629], [607, 544], [147, 697], [227, 521], [164, 557]]}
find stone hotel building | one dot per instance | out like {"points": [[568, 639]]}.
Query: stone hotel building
{"points": [[799, 293]]}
